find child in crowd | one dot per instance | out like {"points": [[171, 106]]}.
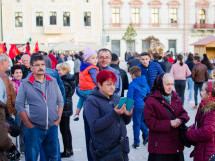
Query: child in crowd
{"points": [[138, 89], [203, 131], [87, 78]]}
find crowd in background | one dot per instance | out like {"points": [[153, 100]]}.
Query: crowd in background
{"points": [[99, 82]]}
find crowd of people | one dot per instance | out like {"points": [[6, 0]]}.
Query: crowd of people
{"points": [[37, 92]]}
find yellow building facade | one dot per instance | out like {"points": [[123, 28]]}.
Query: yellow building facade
{"points": [[52, 21]]}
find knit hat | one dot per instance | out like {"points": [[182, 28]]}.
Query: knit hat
{"points": [[87, 53]]}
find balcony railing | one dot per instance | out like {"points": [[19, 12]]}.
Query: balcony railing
{"points": [[204, 26]]}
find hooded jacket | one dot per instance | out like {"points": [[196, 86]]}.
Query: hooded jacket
{"points": [[163, 139], [105, 124], [203, 132], [138, 89]]}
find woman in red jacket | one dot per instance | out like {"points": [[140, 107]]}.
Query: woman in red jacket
{"points": [[203, 131], [164, 143]]}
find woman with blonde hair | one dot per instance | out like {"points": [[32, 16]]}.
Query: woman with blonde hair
{"points": [[69, 85]]}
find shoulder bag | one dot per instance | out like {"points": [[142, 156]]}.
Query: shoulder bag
{"points": [[182, 129]]}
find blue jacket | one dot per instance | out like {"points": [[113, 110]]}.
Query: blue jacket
{"points": [[104, 121], [138, 89], [153, 70]]}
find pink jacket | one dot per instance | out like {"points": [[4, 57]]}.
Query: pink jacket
{"points": [[180, 72]]}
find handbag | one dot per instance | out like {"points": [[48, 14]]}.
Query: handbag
{"points": [[113, 153], [14, 127], [182, 129], [212, 158]]}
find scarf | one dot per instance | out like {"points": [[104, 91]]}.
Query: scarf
{"points": [[17, 84]]}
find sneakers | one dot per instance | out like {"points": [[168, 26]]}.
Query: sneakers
{"points": [[136, 146], [76, 117], [66, 154], [145, 140], [195, 107]]}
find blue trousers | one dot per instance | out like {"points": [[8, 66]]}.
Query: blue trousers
{"points": [[138, 124], [197, 87], [37, 137], [42, 155], [191, 88]]}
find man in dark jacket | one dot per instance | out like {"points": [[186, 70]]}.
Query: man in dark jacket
{"points": [[157, 59], [115, 64], [47, 60], [25, 59], [199, 76], [134, 62], [149, 68], [167, 65]]}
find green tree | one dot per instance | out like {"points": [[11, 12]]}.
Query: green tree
{"points": [[129, 37]]}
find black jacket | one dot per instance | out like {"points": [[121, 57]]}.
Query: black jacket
{"points": [[69, 85], [190, 65], [167, 66], [124, 77]]}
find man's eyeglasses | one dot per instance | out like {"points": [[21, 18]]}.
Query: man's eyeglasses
{"points": [[103, 58], [38, 65]]}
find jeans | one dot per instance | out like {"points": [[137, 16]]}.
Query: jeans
{"points": [[36, 137], [191, 88], [82, 96], [197, 86], [42, 155], [180, 88], [66, 133], [87, 137], [138, 124]]}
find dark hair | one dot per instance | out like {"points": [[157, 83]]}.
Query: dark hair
{"points": [[165, 58], [180, 58], [135, 70], [156, 56], [105, 75], [15, 67], [145, 54], [76, 56], [197, 58], [35, 57], [207, 62], [114, 57], [104, 50], [190, 57], [170, 55], [45, 53]]}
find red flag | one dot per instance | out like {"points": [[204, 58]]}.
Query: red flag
{"points": [[13, 51], [27, 50], [36, 48], [2, 48]]}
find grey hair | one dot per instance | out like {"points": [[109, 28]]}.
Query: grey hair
{"points": [[25, 55], [166, 76], [3, 57]]}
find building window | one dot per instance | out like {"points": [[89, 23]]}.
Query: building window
{"points": [[115, 15], [18, 19], [87, 18], [174, 15], [155, 15], [202, 16], [53, 18], [135, 16], [66, 19], [39, 18], [87, 1]]}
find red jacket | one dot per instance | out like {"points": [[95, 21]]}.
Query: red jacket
{"points": [[163, 139], [203, 132]]}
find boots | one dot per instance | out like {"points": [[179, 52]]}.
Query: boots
{"points": [[66, 154]]}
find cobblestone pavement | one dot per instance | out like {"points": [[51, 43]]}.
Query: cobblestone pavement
{"points": [[77, 129]]}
